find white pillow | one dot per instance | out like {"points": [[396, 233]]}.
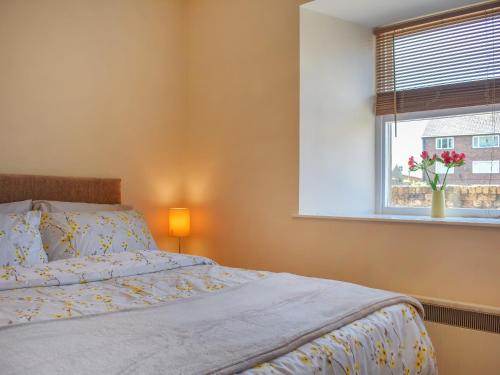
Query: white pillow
{"points": [[56, 206], [77, 234], [20, 240], [15, 207]]}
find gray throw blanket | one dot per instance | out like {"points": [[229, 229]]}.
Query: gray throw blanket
{"points": [[222, 332]]}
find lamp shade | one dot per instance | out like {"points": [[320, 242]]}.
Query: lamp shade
{"points": [[179, 222]]}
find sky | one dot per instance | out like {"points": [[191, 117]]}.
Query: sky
{"points": [[407, 143]]}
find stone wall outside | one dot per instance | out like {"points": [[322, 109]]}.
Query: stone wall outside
{"points": [[472, 196]]}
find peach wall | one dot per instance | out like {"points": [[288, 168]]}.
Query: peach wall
{"points": [[242, 180], [243, 170], [96, 88]]}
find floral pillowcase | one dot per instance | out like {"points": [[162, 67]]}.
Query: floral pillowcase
{"points": [[20, 240], [77, 234]]}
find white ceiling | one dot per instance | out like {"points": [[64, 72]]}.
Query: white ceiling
{"points": [[371, 13]]}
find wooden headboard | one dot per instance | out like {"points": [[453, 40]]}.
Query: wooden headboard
{"points": [[15, 187]]}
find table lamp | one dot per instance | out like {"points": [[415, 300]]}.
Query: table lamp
{"points": [[179, 223]]}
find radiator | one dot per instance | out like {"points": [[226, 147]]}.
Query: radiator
{"points": [[457, 314]]}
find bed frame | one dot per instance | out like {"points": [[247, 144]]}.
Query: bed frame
{"points": [[14, 187]]}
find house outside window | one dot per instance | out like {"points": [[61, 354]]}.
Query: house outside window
{"points": [[486, 141], [445, 143], [462, 129]]}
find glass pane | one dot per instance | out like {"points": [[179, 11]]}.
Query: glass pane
{"points": [[485, 141], [485, 166], [444, 143], [441, 169], [473, 185]]}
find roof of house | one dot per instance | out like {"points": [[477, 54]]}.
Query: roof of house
{"points": [[463, 125]]}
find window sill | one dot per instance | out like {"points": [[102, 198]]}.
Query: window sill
{"points": [[464, 221]]}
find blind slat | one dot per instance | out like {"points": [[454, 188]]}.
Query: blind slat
{"points": [[434, 21], [442, 97], [462, 29], [467, 54], [440, 62]]}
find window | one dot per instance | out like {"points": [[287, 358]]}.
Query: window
{"points": [[436, 91], [441, 169], [445, 143], [408, 193], [485, 166], [485, 141]]}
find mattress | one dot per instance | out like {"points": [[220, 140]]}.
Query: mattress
{"points": [[392, 340]]}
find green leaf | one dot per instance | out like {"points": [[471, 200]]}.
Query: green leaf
{"points": [[436, 181]]}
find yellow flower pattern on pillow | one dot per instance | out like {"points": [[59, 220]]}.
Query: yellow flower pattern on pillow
{"points": [[77, 234], [20, 241]]}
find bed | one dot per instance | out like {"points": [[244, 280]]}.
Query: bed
{"points": [[150, 312]]}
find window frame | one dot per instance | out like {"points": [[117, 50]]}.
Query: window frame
{"points": [[450, 140], [383, 165], [497, 136]]}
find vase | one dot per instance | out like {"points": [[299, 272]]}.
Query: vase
{"points": [[438, 203]]}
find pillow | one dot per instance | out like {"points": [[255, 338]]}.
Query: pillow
{"points": [[77, 234], [20, 240], [15, 207], [56, 206]]}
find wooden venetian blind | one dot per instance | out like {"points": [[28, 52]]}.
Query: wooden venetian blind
{"points": [[445, 61]]}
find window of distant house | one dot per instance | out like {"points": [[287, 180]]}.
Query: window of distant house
{"points": [[485, 166], [485, 141], [437, 91], [441, 169], [444, 143]]}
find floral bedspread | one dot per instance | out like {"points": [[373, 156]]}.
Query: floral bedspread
{"points": [[391, 341]]}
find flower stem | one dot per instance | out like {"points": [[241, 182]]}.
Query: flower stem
{"points": [[444, 179], [428, 177]]}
